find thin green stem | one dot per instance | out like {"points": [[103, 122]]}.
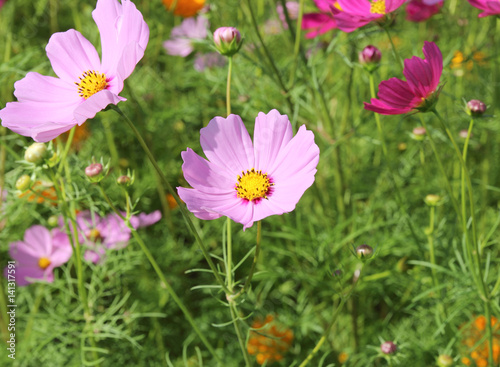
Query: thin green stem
{"points": [[377, 117], [67, 146], [239, 333], [183, 210], [326, 333], [394, 51], [248, 282], [228, 87], [110, 140], [296, 47], [159, 272], [33, 312], [430, 238], [229, 260]]}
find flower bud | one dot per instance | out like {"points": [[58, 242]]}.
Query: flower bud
{"points": [[53, 221], [95, 169], [418, 133], [464, 133], [123, 180], [388, 348], [370, 57], [227, 40], [23, 183], [364, 251], [475, 108], [432, 200], [337, 273], [35, 153], [444, 360]]}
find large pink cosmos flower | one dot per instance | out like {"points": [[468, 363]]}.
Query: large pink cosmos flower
{"points": [[99, 234], [322, 22], [420, 10], [183, 36], [489, 7], [48, 106], [358, 13], [38, 254], [418, 91], [248, 182]]}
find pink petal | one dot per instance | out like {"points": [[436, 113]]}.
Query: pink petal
{"points": [[71, 55], [62, 249], [145, 220], [271, 134], [418, 75], [318, 23], [38, 238], [227, 144], [178, 47], [434, 57], [200, 204], [89, 108]]}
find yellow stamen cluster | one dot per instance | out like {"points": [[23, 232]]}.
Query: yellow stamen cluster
{"points": [[253, 185], [378, 7], [94, 235], [90, 83], [44, 263]]}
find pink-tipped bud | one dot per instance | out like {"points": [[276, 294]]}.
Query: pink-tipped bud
{"points": [[124, 180], [95, 169], [227, 40], [388, 348], [476, 108], [370, 57], [419, 133], [364, 252]]}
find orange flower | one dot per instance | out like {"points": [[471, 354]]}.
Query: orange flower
{"points": [[82, 133], [268, 342], [172, 204], [343, 357], [184, 8], [472, 334], [40, 193]]}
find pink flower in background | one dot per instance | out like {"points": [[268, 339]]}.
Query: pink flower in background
{"points": [[99, 234], [322, 22], [292, 8], [49, 106], [38, 254], [420, 10], [208, 61], [489, 7], [2, 2], [248, 181], [396, 96], [358, 13], [182, 37]]}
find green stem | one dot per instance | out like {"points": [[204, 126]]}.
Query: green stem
{"points": [[110, 140], [229, 260], [377, 117], [228, 87], [34, 311], [183, 210], [430, 239], [394, 51], [66, 149], [248, 282], [326, 333], [296, 47], [159, 272], [239, 333]]}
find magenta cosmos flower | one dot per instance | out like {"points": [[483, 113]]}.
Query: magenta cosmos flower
{"points": [[489, 7], [248, 181], [358, 13], [48, 106], [420, 89], [420, 10], [183, 36], [38, 254], [322, 22]]}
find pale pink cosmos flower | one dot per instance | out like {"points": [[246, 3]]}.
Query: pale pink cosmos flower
{"points": [[38, 254], [184, 35], [358, 13], [100, 234], [396, 96], [48, 106], [322, 22], [489, 7], [248, 181], [420, 10], [292, 8]]}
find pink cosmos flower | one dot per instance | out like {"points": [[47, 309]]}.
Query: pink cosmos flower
{"points": [[420, 10], [418, 91], [322, 22], [99, 234], [208, 61], [38, 254], [48, 106], [182, 37], [358, 13], [248, 181], [489, 7]]}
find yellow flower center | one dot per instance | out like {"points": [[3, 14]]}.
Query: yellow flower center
{"points": [[337, 5], [94, 235], [378, 7], [43, 263], [90, 83], [253, 185]]}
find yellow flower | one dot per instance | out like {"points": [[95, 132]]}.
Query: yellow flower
{"points": [[184, 8]]}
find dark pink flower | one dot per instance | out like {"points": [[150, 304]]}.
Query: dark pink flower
{"points": [[396, 96], [322, 22], [420, 10], [248, 181], [48, 106], [358, 13], [489, 7], [38, 254]]}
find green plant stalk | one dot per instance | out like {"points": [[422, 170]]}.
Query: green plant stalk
{"points": [[334, 320], [430, 239], [298, 33], [239, 333], [229, 259], [228, 86], [394, 51], [33, 312], [248, 282], [176, 197], [475, 251], [377, 117], [66, 149], [110, 140], [158, 271]]}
